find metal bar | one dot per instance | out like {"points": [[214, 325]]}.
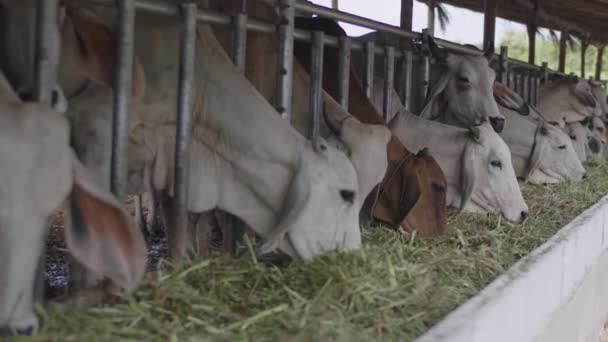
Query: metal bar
{"points": [[45, 28], [524, 88], [184, 124], [368, 72], [516, 83], [563, 44], [344, 52], [122, 94], [285, 76], [489, 23], [503, 64], [406, 89], [316, 85], [239, 42], [430, 17], [389, 80], [537, 100], [426, 66], [544, 72]]}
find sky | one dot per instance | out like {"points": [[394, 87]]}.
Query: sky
{"points": [[465, 26]]}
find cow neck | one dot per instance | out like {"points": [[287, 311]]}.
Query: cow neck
{"points": [[445, 143]]}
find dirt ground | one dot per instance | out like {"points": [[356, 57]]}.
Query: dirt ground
{"points": [[57, 259]]}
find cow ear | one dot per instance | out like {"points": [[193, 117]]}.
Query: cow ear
{"points": [[409, 194], [475, 134], [489, 53], [101, 234], [509, 99], [467, 175], [584, 97], [95, 51], [433, 97], [440, 54], [540, 145]]}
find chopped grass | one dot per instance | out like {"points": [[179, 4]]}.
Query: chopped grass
{"points": [[395, 288]]}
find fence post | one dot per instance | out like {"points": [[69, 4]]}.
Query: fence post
{"points": [[344, 71], [406, 88], [239, 42], [503, 61], [316, 85], [368, 73], [426, 65], [122, 94], [45, 28], [285, 83], [389, 80], [183, 127]]}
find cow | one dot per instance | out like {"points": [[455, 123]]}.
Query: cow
{"points": [[596, 143], [40, 173], [599, 93], [461, 94], [579, 136], [541, 152], [279, 183], [564, 100], [389, 203], [476, 162], [428, 214]]}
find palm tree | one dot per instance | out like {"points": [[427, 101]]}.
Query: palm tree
{"points": [[437, 10]]}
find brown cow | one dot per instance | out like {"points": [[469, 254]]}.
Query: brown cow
{"points": [[428, 216]]}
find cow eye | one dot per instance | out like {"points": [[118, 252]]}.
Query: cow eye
{"points": [[463, 79], [437, 188], [562, 147], [348, 196], [573, 137], [496, 163]]}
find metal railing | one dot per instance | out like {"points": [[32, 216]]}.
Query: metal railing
{"points": [[522, 77]]}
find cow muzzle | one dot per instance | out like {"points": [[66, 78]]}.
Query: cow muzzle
{"points": [[498, 124]]}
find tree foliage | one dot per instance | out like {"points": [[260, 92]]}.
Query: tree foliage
{"points": [[547, 50]]}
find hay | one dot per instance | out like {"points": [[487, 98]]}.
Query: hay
{"points": [[395, 288]]}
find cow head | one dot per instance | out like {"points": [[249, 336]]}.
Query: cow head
{"points": [[428, 216], [553, 158], [600, 95], [579, 136], [488, 182], [566, 100], [596, 142], [464, 91], [17, 41], [509, 99], [39, 172]]}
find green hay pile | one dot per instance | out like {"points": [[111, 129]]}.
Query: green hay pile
{"points": [[395, 288]]}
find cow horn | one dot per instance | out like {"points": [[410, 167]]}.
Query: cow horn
{"points": [[475, 134], [467, 175], [423, 152], [334, 125], [489, 53], [438, 53]]}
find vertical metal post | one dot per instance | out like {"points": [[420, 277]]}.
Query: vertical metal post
{"points": [[316, 85], [184, 123], [563, 44], [426, 66], [503, 61], [430, 19], [516, 85], [122, 94], [544, 72], [46, 26], [537, 100], [239, 42], [368, 73], [524, 89], [406, 71], [344, 71], [389, 81], [285, 82]]}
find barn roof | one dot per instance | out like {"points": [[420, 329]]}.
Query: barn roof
{"points": [[585, 19]]}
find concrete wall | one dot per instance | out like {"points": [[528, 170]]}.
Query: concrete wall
{"points": [[556, 293]]}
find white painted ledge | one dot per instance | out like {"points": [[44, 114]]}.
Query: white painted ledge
{"points": [[559, 292]]}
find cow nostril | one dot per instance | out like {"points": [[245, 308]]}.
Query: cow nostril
{"points": [[523, 216], [585, 175], [24, 331], [498, 124], [26, 96], [348, 196]]}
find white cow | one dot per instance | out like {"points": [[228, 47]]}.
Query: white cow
{"points": [[541, 152], [39, 172], [477, 164], [566, 100], [579, 135], [461, 92]]}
